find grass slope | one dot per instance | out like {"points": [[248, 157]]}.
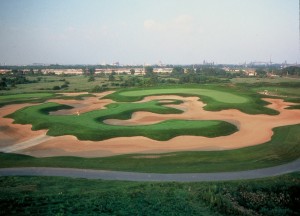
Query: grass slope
{"points": [[90, 126], [24, 98], [224, 97], [66, 196], [216, 97], [35, 98], [284, 147]]}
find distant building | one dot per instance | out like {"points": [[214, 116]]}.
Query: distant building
{"points": [[250, 72], [3, 71], [116, 64], [138, 71], [162, 70], [62, 71]]}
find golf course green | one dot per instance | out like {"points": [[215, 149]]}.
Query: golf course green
{"points": [[216, 98], [90, 126], [219, 96]]}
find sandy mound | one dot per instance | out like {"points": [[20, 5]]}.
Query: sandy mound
{"points": [[253, 130]]}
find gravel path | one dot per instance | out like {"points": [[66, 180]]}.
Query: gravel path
{"points": [[134, 176]]}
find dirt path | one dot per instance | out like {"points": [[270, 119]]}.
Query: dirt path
{"points": [[133, 176], [27, 144], [253, 130]]}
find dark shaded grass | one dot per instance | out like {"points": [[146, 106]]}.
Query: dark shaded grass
{"points": [[66, 196]]}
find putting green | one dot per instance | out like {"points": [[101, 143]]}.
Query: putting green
{"points": [[220, 96]]}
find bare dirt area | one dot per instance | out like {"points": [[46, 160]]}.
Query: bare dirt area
{"points": [[73, 93], [253, 130]]}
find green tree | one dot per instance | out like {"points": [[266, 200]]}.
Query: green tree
{"points": [[91, 79], [3, 84], [92, 71], [177, 71], [111, 77], [98, 88], [39, 72], [153, 77], [198, 70], [261, 72], [190, 70], [132, 71], [56, 88], [31, 72], [149, 71], [292, 70]]}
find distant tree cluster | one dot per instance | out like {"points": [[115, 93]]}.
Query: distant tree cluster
{"points": [[14, 78], [99, 88], [63, 86], [293, 71]]}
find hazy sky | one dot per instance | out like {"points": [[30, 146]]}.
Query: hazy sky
{"points": [[148, 31]]}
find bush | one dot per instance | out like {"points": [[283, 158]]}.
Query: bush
{"points": [[56, 88], [91, 79], [98, 88], [64, 86]]}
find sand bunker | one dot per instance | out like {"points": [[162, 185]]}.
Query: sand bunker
{"points": [[253, 130], [82, 106], [15, 133]]}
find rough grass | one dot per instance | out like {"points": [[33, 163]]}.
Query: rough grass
{"points": [[65, 196], [77, 83], [90, 126], [284, 147], [280, 91], [24, 98], [287, 89], [36, 98], [251, 80]]}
